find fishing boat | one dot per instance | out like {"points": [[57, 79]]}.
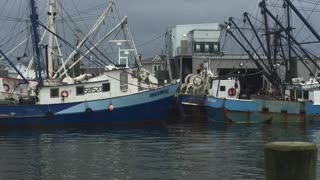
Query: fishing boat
{"points": [[119, 94], [296, 100], [193, 92], [196, 88]]}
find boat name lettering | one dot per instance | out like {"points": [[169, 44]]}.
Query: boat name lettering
{"points": [[165, 91], [91, 90]]}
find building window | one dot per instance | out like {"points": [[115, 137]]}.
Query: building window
{"points": [[54, 92], [156, 68], [222, 88], [124, 81], [197, 48], [79, 90], [106, 87], [206, 47]]}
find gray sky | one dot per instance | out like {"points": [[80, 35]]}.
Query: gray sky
{"points": [[149, 19]]}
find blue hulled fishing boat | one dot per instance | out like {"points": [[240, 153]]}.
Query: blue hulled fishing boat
{"points": [[118, 94], [291, 98]]}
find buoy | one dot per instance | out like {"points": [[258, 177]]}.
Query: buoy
{"points": [[110, 107], [64, 94]]}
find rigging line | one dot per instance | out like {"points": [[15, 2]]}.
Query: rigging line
{"points": [[8, 18], [103, 54], [316, 58], [298, 7], [20, 33], [309, 2], [255, 18], [305, 13], [318, 1], [80, 59], [237, 69], [14, 28], [66, 42], [149, 41], [79, 15], [2, 7], [7, 41], [75, 26], [116, 9], [223, 38], [13, 38], [77, 19], [90, 9], [96, 33], [63, 26], [274, 3], [252, 74]]}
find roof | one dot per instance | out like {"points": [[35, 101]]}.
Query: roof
{"points": [[156, 59]]}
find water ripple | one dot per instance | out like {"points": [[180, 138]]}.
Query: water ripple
{"points": [[175, 151]]}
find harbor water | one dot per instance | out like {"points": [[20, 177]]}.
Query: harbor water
{"points": [[189, 149]]}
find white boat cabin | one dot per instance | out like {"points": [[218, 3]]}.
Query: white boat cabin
{"points": [[113, 83], [226, 88], [302, 91]]}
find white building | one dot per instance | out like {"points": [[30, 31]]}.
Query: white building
{"points": [[186, 39]]}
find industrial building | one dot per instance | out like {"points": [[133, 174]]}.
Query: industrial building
{"points": [[189, 46]]}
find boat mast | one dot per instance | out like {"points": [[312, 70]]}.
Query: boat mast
{"points": [[293, 40], [267, 33], [288, 63], [86, 37], [52, 12], [36, 39]]}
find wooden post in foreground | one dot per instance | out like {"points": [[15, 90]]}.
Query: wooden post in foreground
{"points": [[290, 160]]}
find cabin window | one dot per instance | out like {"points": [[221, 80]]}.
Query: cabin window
{"points": [[305, 94], [299, 94], [124, 81], [222, 88], [54, 92], [292, 94], [80, 90], [211, 84], [105, 87]]}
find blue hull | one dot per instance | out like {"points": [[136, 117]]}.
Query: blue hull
{"points": [[154, 111], [258, 110], [151, 106], [313, 112], [191, 106]]}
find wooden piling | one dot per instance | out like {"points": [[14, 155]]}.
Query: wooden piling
{"points": [[290, 160]]}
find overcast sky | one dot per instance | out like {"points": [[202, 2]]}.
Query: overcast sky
{"points": [[150, 18]]}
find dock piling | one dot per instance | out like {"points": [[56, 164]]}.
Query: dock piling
{"points": [[290, 160]]}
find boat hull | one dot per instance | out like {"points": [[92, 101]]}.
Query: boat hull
{"points": [[253, 111], [152, 106], [191, 106]]}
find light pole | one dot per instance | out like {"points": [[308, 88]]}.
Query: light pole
{"points": [[126, 52]]}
